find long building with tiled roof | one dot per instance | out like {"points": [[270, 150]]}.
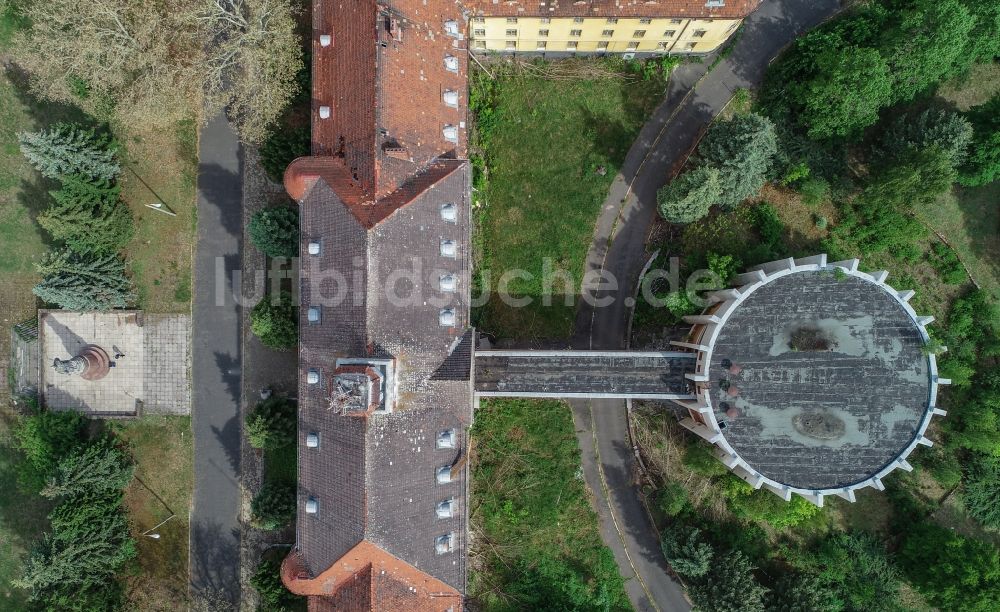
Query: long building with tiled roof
{"points": [[385, 349]]}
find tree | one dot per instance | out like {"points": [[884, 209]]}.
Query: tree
{"points": [[982, 490], [983, 163], [729, 586], [275, 231], [855, 567], [672, 499], [266, 580], [699, 459], [276, 321], [799, 593], [253, 61], [852, 85], [77, 282], [44, 439], [67, 149], [952, 571], [274, 506], [89, 217], [688, 197], [272, 424], [742, 149], [686, 552], [283, 147], [947, 130], [917, 177], [94, 469]]}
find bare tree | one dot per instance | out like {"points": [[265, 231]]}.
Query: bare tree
{"points": [[253, 57]]}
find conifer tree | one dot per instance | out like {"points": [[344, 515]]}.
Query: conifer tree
{"points": [[68, 148], [743, 150], [76, 282], [96, 468], [89, 216]]}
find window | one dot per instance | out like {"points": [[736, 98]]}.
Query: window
{"points": [[540, 45], [446, 508], [314, 315], [478, 20], [449, 248], [443, 544], [446, 439], [443, 474], [511, 45], [638, 33], [544, 20], [572, 45], [312, 439], [645, 21], [676, 21], [670, 33], [448, 283], [690, 46], [479, 44], [632, 46], [446, 318], [451, 63], [661, 46], [578, 20], [699, 33], [512, 33], [312, 506], [450, 133], [479, 33], [512, 20], [543, 33], [715, 3], [449, 212], [608, 33], [312, 377], [575, 32], [602, 45], [612, 20]]}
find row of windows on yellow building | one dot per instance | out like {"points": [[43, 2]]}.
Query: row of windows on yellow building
{"points": [[600, 34]]}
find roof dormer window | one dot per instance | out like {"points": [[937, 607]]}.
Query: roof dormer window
{"points": [[314, 248], [312, 376], [443, 475], [325, 40], [312, 506], [450, 133], [451, 27], [448, 283], [451, 63], [446, 508], [449, 248], [447, 317], [449, 212], [450, 98], [446, 439], [314, 314], [312, 440], [444, 544]]}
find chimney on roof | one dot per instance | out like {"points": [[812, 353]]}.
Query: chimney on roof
{"points": [[398, 153]]}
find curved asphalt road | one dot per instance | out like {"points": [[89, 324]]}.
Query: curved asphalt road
{"points": [[618, 248]]}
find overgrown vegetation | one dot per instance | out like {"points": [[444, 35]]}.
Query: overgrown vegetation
{"points": [[537, 544], [275, 231], [275, 320]]}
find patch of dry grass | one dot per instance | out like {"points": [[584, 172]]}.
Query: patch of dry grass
{"points": [[981, 84]]}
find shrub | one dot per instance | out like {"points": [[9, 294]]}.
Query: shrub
{"points": [[686, 551], [759, 505], [729, 585], [947, 130], [855, 566], [982, 490], [982, 165], [947, 264], [45, 439], [274, 506], [275, 231], [689, 197], [821, 222], [282, 147], [943, 465], [272, 423], [800, 593], [672, 499], [742, 150], [814, 190], [89, 217], [724, 266], [952, 571], [699, 459], [274, 597], [68, 149], [769, 224], [276, 321], [678, 303]]}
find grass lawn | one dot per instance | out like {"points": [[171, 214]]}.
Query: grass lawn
{"points": [[281, 464], [552, 148], [536, 542], [164, 478]]}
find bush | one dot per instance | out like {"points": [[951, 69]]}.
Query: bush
{"points": [[699, 459], [672, 499], [45, 439], [275, 231], [814, 190], [855, 567], [274, 506], [742, 150], [686, 552], [724, 266], [947, 264], [281, 148], [678, 303], [276, 321], [272, 424], [982, 166], [942, 464], [952, 571], [729, 585], [947, 130], [982, 490], [758, 505], [274, 597], [800, 593], [689, 197]]}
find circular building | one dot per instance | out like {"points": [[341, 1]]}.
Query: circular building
{"points": [[812, 378]]}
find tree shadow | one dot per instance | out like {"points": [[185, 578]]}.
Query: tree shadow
{"points": [[215, 565]]}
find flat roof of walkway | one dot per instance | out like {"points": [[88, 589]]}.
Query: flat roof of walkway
{"points": [[605, 374]]}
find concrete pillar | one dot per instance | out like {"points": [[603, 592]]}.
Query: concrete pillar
{"points": [[701, 319], [903, 464], [758, 481], [696, 377], [690, 345], [851, 265], [942, 381], [938, 411], [925, 441], [730, 461], [819, 260], [753, 276], [926, 320], [906, 294], [880, 276], [847, 493], [723, 295], [877, 483], [816, 498]]}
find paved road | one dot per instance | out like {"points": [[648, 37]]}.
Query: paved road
{"points": [[619, 248], [215, 529]]}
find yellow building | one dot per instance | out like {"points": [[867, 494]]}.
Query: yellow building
{"points": [[639, 35]]}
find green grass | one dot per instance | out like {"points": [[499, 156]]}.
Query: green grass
{"points": [[280, 464], [164, 479], [535, 532], [544, 141]]}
